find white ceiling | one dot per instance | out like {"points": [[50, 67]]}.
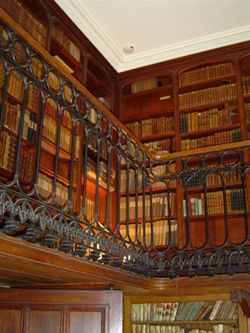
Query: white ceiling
{"points": [[158, 29]]}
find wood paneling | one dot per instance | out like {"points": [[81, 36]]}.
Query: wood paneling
{"points": [[10, 320], [40, 311]]}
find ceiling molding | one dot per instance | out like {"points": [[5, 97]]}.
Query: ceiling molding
{"points": [[187, 47], [79, 14]]}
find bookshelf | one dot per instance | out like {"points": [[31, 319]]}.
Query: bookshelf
{"points": [[200, 103], [49, 25], [206, 316], [43, 140]]}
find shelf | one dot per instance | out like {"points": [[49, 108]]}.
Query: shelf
{"points": [[16, 135], [201, 218], [59, 178], [59, 50], [148, 219], [213, 188], [208, 106], [184, 323], [209, 131], [157, 136], [50, 148], [147, 191], [207, 84], [165, 90]]}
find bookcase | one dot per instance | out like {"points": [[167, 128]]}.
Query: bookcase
{"points": [[200, 316], [202, 102], [49, 25], [185, 314], [42, 141]]}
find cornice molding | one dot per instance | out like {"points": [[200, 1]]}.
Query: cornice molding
{"points": [[103, 42]]}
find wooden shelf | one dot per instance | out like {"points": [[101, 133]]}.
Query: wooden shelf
{"points": [[65, 55], [148, 219], [157, 136], [209, 131], [50, 148], [147, 191], [165, 90], [213, 188], [201, 218], [207, 83], [208, 106], [59, 178]]}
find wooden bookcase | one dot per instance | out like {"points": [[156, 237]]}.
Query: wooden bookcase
{"points": [[207, 97], [50, 26], [22, 118], [214, 313]]}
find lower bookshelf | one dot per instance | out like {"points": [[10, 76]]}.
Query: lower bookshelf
{"points": [[220, 316]]}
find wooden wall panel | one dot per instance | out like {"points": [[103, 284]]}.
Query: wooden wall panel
{"points": [[41, 321], [87, 321], [74, 311], [10, 320]]}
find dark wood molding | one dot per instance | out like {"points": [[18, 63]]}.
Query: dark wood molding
{"points": [[242, 296]]}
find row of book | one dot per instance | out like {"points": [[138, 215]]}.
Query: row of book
{"points": [[8, 155], [206, 73], [21, 15], [37, 67], [143, 85], [162, 205], [12, 121], [147, 328], [211, 179], [215, 203], [19, 53], [197, 98], [151, 126], [45, 189], [159, 233], [4, 37], [103, 174], [197, 121], [217, 138], [166, 145], [137, 179], [246, 85], [15, 85], [184, 311], [66, 42]]}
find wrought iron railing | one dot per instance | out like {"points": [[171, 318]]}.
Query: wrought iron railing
{"points": [[74, 179]]}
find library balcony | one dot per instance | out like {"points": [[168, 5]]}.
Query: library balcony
{"points": [[74, 179]]}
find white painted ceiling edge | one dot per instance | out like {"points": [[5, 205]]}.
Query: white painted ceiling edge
{"points": [[87, 23]]}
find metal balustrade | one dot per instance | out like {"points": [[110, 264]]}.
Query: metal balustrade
{"points": [[72, 178]]}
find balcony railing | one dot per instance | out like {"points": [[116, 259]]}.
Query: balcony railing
{"points": [[73, 178]]}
